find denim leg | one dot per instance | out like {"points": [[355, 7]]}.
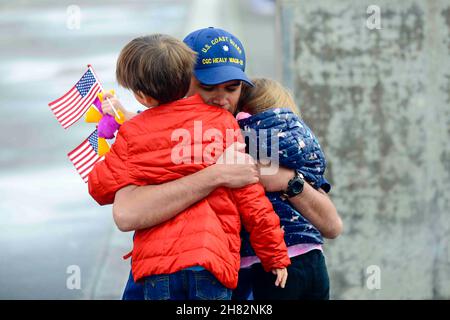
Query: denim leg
{"points": [[185, 285], [157, 287], [244, 287], [133, 290], [204, 286], [166, 286]]}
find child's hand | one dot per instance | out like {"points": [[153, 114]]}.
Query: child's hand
{"points": [[107, 109], [282, 275], [106, 106]]}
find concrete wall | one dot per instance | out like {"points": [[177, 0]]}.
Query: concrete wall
{"points": [[379, 101]]}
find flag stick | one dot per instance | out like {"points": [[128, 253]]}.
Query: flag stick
{"points": [[101, 87]]}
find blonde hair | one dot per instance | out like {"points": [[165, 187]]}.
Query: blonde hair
{"points": [[266, 94], [157, 65]]}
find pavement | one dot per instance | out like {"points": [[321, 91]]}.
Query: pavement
{"points": [[49, 224]]}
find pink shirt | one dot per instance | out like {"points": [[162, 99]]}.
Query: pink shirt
{"points": [[293, 251]]}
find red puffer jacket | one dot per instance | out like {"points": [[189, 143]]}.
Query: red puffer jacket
{"points": [[207, 233]]}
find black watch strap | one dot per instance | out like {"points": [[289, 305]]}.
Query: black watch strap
{"points": [[295, 186]]}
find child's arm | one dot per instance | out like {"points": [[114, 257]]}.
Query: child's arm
{"points": [[263, 225], [258, 216], [106, 106]]}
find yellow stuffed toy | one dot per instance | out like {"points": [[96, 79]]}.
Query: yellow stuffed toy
{"points": [[107, 124]]}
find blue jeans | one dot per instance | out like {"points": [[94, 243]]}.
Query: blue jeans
{"points": [[133, 290], [307, 279], [243, 290], [185, 285]]}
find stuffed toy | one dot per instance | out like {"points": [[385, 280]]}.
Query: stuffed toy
{"points": [[107, 124]]}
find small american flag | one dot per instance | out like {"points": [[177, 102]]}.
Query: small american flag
{"points": [[85, 156], [71, 106]]}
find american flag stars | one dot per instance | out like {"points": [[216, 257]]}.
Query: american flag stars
{"points": [[71, 106], [69, 109]]}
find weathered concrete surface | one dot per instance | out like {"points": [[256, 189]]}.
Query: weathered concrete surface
{"points": [[379, 101]]}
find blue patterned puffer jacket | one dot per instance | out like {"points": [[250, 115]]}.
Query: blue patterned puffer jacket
{"points": [[298, 149]]}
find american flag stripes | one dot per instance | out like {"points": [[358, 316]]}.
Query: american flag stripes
{"points": [[71, 106], [85, 156]]}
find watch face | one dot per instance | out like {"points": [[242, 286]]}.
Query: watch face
{"points": [[297, 186]]}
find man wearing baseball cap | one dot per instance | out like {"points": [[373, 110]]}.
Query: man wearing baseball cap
{"points": [[218, 77], [220, 56]]}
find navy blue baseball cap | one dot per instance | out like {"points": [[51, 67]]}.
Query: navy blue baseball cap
{"points": [[220, 56]]}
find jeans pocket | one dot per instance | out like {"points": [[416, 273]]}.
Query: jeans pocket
{"points": [[207, 287], [157, 287]]}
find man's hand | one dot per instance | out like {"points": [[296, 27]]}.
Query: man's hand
{"points": [[282, 275], [235, 175], [235, 168]]}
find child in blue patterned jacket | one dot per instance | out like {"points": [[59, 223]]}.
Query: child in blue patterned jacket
{"points": [[267, 109]]}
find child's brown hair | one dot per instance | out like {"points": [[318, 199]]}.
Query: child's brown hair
{"points": [[158, 66], [266, 94]]}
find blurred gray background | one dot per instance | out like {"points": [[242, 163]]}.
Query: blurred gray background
{"points": [[378, 99]]}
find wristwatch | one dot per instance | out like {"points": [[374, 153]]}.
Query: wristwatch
{"points": [[295, 186]]}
